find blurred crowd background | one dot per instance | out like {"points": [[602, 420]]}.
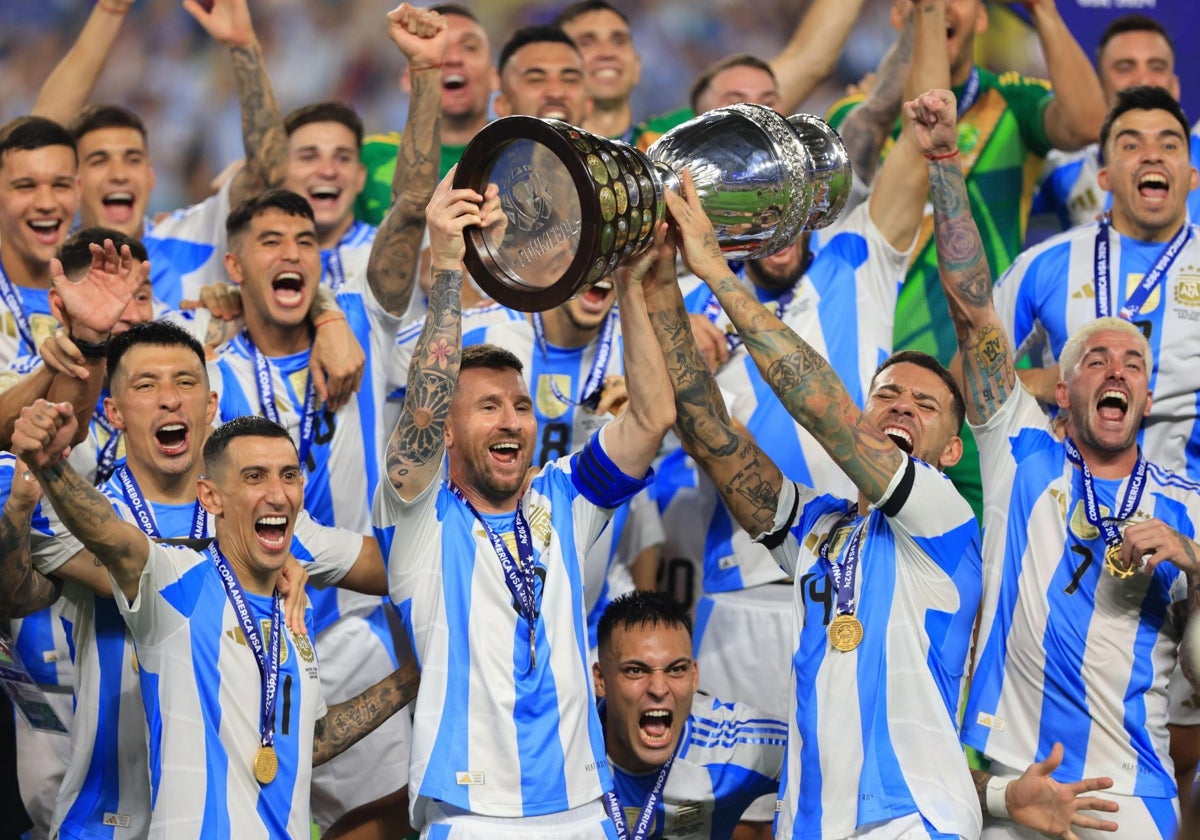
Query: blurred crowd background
{"points": [[168, 71]]}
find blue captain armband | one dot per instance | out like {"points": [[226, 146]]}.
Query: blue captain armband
{"points": [[599, 480]]}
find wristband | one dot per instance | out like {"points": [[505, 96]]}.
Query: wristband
{"points": [[425, 67], [944, 156], [997, 788], [328, 319], [89, 350]]}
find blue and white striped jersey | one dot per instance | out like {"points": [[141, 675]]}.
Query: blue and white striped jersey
{"points": [[105, 793], [342, 468], [1049, 292], [1067, 652], [35, 307], [202, 690], [873, 731], [497, 729], [349, 257], [843, 306], [187, 249], [41, 639], [729, 754], [1069, 189]]}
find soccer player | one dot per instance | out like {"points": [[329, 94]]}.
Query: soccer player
{"points": [[489, 578], [1134, 50], [209, 627], [1089, 553], [683, 764], [161, 402]]}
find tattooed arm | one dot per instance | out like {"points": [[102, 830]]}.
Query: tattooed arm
{"points": [[23, 590], [748, 480], [392, 270], [40, 438], [414, 452], [802, 379], [70, 83], [987, 367], [345, 724], [263, 137]]}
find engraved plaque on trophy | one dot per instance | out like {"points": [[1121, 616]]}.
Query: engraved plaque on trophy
{"points": [[573, 206]]}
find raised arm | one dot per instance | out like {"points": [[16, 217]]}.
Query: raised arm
{"points": [[748, 480], [984, 348], [71, 82], [1073, 117], [813, 50], [417, 444], [345, 724], [633, 438], [802, 379], [264, 140], [40, 438], [421, 35], [23, 590]]}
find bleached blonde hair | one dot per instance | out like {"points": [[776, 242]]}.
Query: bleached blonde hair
{"points": [[1072, 351]]}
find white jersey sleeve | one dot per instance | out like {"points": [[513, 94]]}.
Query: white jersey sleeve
{"points": [[329, 553]]}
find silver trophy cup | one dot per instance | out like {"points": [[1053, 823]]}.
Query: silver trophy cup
{"points": [[569, 206]]}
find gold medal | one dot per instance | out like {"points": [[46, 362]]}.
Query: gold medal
{"points": [[845, 632], [266, 765], [1112, 562]]}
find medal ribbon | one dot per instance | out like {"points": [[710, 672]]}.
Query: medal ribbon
{"points": [[333, 267], [106, 459], [1091, 508], [268, 659], [266, 399], [645, 821], [519, 577], [970, 93], [141, 510], [1150, 281], [595, 378], [12, 300], [842, 574]]}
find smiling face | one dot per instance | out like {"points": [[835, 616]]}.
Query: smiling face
{"points": [[161, 400], [255, 495], [38, 195], [277, 263], [1106, 395], [490, 436], [544, 79], [611, 64], [324, 167], [468, 78], [914, 407], [1148, 173], [741, 83], [648, 678], [1137, 57], [115, 179]]}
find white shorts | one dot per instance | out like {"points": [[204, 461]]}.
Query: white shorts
{"points": [[744, 643], [353, 658], [587, 822], [1139, 818], [42, 759], [908, 827]]}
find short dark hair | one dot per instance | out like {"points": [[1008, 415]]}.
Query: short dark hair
{"points": [[1144, 98], [29, 133], [454, 9], [338, 112], [489, 357], [285, 201], [705, 79], [248, 425], [75, 253], [583, 7], [641, 608], [916, 357], [95, 117], [156, 334], [1132, 23], [533, 35]]}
